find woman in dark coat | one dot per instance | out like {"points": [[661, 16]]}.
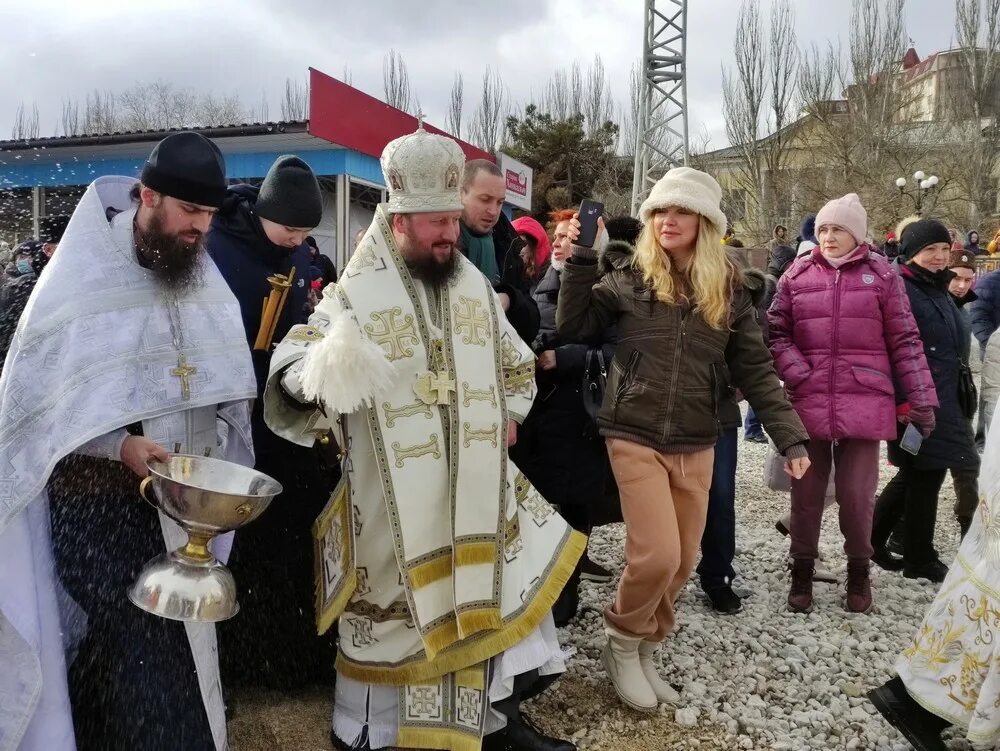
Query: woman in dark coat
{"points": [[925, 249], [558, 447]]}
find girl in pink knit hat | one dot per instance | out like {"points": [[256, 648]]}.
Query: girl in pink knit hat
{"points": [[841, 333]]}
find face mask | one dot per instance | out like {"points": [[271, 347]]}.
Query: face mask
{"points": [[24, 266]]}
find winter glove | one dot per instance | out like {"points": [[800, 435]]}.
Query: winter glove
{"points": [[923, 418]]}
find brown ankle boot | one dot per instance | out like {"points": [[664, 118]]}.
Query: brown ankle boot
{"points": [[800, 596], [859, 587]]}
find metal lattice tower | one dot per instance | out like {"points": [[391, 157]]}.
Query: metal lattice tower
{"points": [[662, 132]]}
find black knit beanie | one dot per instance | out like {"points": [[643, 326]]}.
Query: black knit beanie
{"points": [[188, 167], [290, 194], [921, 233]]}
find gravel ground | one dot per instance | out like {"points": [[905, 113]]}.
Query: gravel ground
{"points": [[762, 679]]}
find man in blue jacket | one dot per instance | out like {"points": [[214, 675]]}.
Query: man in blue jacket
{"points": [[260, 232]]}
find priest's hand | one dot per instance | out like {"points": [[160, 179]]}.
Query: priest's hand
{"points": [[504, 301], [547, 360], [511, 433], [136, 451]]}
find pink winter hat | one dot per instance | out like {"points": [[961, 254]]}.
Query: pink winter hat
{"points": [[846, 212]]}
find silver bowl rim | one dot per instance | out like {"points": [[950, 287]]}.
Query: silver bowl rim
{"points": [[152, 464]]}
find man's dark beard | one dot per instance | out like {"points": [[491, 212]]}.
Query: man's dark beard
{"points": [[177, 264], [435, 272]]}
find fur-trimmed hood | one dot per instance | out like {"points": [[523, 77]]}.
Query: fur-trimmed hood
{"points": [[617, 254]]}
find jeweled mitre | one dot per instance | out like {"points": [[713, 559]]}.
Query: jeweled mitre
{"points": [[423, 172]]}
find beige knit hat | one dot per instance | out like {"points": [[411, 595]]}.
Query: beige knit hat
{"points": [[690, 189], [846, 212]]}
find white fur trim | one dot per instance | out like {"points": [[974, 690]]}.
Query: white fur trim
{"points": [[345, 370]]}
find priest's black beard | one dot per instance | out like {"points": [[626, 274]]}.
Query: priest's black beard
{"points": [[437, 273], [176, 264]]}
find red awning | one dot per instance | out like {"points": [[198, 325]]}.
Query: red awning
{"points": [[348, 117]]}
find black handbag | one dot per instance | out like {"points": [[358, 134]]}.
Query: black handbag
{"points": [[968, 397], [595, 381]]}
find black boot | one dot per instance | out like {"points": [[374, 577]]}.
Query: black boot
{"points": [[521, 735], [568, 604], [920, 727], [933, 570], [886, 561], [343, 746]]}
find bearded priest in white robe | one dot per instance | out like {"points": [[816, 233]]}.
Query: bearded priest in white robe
{"points": [[440, 560], [131, 346]]}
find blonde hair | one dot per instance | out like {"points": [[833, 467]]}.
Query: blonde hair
{"points": [[711, 275]]}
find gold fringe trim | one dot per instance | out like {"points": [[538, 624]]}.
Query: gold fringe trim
{"points": [[474, 678], [338, 507], [475, 553], [440, 638], [484, 649], [473, 621], [326, 616], [430, 572], [439, 738]]}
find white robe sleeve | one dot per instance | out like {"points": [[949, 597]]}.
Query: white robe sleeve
{"points": [[107, 446], [287, 411]]}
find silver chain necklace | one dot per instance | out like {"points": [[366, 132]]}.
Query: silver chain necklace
{"points": [[174, 316]]}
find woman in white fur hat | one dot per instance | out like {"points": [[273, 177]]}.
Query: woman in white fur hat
{"points": [[687, 335]]}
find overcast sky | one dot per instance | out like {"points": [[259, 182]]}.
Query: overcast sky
{"points": [[53, 49]]}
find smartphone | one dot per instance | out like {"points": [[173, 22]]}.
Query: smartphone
{"points": [[590, 212], [911, 440]]}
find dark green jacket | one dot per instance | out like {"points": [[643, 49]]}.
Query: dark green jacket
{"points": [[672, 372]]}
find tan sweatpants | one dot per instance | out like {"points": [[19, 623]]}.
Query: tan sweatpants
{"points": [[664, 501]]}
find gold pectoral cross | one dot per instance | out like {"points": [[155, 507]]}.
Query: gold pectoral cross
{"points": [[434, 388], [184, 372]]}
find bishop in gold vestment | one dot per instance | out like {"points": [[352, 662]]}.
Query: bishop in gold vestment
{"points": [[440, 560]]}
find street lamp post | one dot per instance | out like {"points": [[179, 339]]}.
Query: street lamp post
{"points": [[924, 186]]}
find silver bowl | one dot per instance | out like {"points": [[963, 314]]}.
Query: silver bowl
{"points": [[206, 497]]}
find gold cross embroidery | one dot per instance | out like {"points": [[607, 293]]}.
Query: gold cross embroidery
{"points": [[434, 388], [397, 334], [184, 372], [470, 321]]}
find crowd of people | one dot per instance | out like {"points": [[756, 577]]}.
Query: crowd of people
{"points": [[450, 418]]}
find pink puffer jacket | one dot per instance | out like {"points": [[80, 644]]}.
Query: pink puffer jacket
{"points": [[844, 342]]}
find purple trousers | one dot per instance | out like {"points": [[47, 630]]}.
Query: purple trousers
{"points": [[855, 481]]}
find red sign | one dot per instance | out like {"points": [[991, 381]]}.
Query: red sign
{"points": [[517, 182], [348, 117]]}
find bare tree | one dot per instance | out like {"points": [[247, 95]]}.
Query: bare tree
{"points": [[743, 97], [100, 114], [396, 81], [564, 93], [26, 124], [263, 109], [863, 141], [70, 119], [226, 110], [974, 102], [782, 69], [487, 123], [628, 113], [598, 104], [456, 104], [295, 104]]}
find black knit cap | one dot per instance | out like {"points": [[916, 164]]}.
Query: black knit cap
{"points": [[921, 233], [290, 194], [188, 167]]}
